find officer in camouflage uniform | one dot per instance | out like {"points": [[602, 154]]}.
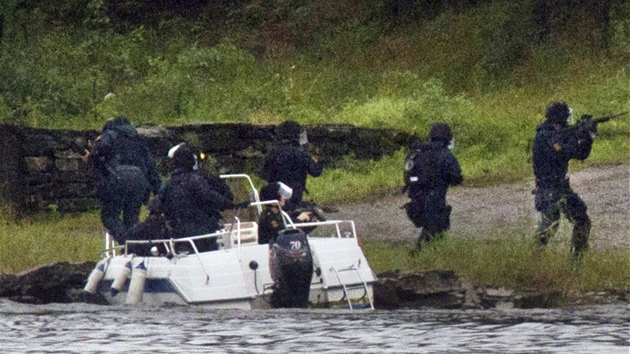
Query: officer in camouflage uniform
{"points": [[554, 145]]}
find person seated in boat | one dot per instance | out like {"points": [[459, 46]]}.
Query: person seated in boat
{"points": [[193, 200], [270, 221]]}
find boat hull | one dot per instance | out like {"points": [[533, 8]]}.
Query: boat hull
{"points": [[240, 277]]}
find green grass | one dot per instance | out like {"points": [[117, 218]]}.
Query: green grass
{"points": [[49, 239], [480, 70], [511, 260]]}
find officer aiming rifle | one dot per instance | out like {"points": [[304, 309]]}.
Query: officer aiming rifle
{"points": [[555, 143]]}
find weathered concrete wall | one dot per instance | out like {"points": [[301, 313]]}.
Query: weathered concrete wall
{"points": [[42, 168]]}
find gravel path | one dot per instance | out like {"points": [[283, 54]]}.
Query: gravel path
{"points": [[504, 209]]}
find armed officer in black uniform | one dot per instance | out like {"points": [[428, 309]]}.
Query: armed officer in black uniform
{"points": [[554, 145], [125, 174], [430, 170], [193, 200], [289, 163]]}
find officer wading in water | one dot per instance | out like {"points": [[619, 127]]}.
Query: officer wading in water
{"points": [[554, 145], [430, 168]]}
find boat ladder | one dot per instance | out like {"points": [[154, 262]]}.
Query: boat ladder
{"points": [[363, 285]]}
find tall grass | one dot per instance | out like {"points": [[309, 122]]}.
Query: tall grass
{"points": [[511, 260], [49, 239], [481, 70]]}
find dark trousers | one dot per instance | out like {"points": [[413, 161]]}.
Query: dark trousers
{"points": [[432, 214], [552, 204], [125, 192]]}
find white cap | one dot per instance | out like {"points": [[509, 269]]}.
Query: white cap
{"points": [[171, 151], [284, 190]]}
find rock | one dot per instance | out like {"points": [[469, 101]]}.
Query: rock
{"points": [[536, 299], [436, 289], [471, 300], [57, 282], [386, 295], [8, 285], [63, 283], [443, 289]]}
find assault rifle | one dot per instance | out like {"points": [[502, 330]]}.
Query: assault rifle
{"points": [[315, 210], [588, 120]]}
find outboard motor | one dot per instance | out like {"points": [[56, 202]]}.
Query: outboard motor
{"points": [[291, 267]]}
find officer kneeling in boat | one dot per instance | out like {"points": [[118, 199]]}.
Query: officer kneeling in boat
{"points": [[193, 200]]}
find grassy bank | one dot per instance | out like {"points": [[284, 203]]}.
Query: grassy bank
{"points": [[508, 260], [480, 68], [513, 261], [49, 239]]}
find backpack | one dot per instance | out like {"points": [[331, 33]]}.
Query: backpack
{"points": [[419, 169]]}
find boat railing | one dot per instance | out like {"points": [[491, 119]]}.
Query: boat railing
{"points": [[254, 191], [231, 235], [340, 232]]}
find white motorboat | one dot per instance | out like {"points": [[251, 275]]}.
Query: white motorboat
{"points": [[238, 274]]}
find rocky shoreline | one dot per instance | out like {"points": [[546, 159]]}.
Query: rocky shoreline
{"points": [[63, 283], [475, 211]]}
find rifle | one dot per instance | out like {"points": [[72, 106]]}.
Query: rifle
{"points": [[311, 149], [588, 120], [315, 210]]}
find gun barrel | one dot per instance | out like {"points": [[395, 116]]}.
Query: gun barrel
{"points": [[607, 118]]}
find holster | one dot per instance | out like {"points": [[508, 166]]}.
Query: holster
{"points": [[545, 196]]}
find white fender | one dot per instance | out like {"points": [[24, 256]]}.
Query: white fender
{"points": [[120, 280], [136, 287], [94, 279]]}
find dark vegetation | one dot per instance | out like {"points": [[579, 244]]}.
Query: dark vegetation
{"points": [[178, 61], [487, 67]]}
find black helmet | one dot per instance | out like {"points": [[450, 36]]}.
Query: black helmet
{"points": [[440, 132], [558, 113], [116, 122], [289, 130], [184, 157]]}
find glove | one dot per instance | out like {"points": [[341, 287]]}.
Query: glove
{"points": [[587, 125]]}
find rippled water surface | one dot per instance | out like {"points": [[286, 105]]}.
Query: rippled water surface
{"points": [[83, 328]]}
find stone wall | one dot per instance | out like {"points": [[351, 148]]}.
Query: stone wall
{"points": [[42, 168]]}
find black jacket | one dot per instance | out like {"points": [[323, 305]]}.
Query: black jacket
{"points": [[192, 202], [447, 172], [288, 163], [552, 150], [122, 146]]}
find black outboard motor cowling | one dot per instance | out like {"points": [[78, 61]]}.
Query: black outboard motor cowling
{"points": [[291, 267]]}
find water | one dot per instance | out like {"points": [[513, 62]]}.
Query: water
{"points": [[84, 328]]}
